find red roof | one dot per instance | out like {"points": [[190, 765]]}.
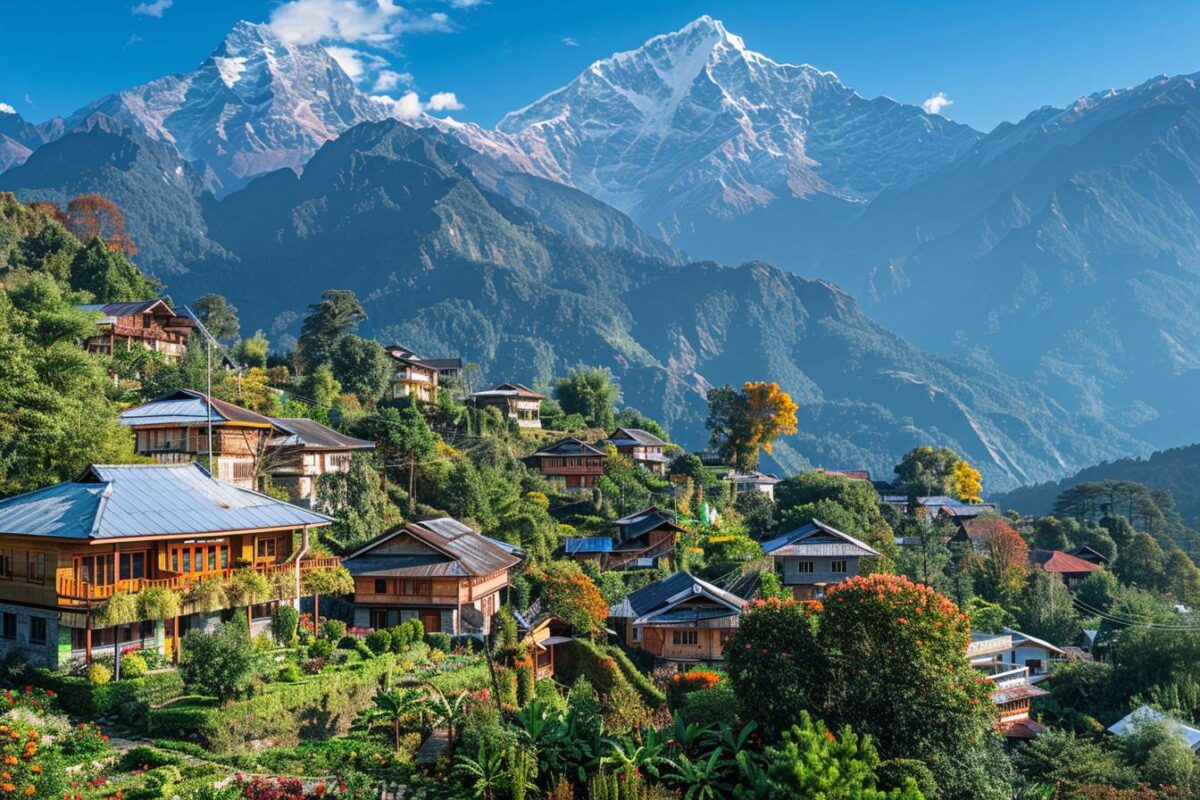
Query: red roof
{"points": [[980, 529], [1059, 562]]}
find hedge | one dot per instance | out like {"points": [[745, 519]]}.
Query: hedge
{"points": [[281, 716], [604, 666], [129, 699]]}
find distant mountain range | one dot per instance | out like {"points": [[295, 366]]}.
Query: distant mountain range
{"points": [[1054, 261]]}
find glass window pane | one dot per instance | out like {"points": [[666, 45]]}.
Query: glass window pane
{"points": [[187, 560], [138, 565]]}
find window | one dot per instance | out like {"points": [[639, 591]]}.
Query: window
{"points": [[837, 566], [8, 625], [6, 563], [381, 586], [185, 557], [417, 587], [268, 547], [132, 565], [35, 567], [95, 569], [683, 637], [804, 567], [37, 630], [147, 321]]}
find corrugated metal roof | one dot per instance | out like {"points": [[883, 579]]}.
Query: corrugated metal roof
{"points": [[511, 390], [189, 407], [817, 539], [588, 544], [147, 500], [312, 435], [666, 591], [627, 437], [568, 447], [1024, 692], [402, 566], [1145, 714], [472, 554]]}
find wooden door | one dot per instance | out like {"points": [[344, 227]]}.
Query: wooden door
{"points": [[431, 621]]}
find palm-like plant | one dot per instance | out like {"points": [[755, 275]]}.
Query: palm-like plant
{"points": [[396, 705], [447, 711], [628, 753], [485, 771], [701, 779]]}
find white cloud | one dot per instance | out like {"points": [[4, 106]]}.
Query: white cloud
{"points": [[445, 101], [28, 99], [935, 104], [349, 59], [409, 104], [154, 9], [570, 41], [387, 79], [133, 39], [5, 108], [350, 21], [466, 3]]}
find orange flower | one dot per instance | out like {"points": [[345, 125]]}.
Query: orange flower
{"points": [[28, 791]]}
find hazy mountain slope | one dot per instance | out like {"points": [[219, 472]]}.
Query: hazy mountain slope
{"points": [[447, 266], [157, 191], [692, 133], [1066, 249], [1176, 471]]}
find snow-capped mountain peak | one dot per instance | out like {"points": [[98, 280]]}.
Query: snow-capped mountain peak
{"points": [[256, 104], [694, 124]]}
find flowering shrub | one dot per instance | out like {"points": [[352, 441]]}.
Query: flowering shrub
{"points": [[312, 665], [22, 774], [683, 683], [36, 700], [85, 740], [261, 788]]}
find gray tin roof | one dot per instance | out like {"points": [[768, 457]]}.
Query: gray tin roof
{"points": [[817, 539], [112, 502]]}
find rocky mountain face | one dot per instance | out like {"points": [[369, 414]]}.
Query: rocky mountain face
{"points": [[1064, 249], [255, 105], [19, 138], [448, 266], [706, 142]]}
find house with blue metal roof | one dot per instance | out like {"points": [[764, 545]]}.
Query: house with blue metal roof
{"points": [[814, 556], [680, 619], [66, 548], [642, 540]]}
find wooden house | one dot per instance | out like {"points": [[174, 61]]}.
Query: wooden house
{"points": [[815, 556], [151, 324], [644, 540], [1071, 569], [306, 450], [679, 619], [574, 463], [1089, 555], [544, 632], [67, 547], [1012, 691], [516, 402], [935, 507], [646, 449], [978, 531], [439, 571], [420, 377], [752, 481], [173, 428]]}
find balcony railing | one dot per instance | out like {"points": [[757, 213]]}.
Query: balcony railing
{"points": [[72, 590]]}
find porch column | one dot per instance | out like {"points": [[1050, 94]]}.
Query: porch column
{"points": [[304, 543]]}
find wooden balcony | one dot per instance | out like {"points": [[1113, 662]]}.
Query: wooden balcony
{"points": [[71, 591]]}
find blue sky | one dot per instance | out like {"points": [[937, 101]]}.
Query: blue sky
{"points": [[994, 61]]}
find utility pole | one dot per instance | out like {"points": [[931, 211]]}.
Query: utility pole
{"points": [[208, 338]]}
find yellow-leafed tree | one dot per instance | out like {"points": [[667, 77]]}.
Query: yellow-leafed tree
{"points": [[745, 423], [966, 483]]}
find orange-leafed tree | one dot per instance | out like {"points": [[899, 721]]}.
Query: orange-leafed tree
{"points": [[745, 423], [94, 216], [573, 596], [1006, 569]]}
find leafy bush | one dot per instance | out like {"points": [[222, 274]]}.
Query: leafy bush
{"points": [[146, 758], [438, 641], [99, 673], [289, 673], [320, 648], [86, 741], [710, 706], [312, 665], [133, 666], [129, 700], [284, 621], [334, 629], [682, 683], [218, 663], [379, 641]]}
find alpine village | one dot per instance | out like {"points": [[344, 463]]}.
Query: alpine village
{"points": [[320, 561]]}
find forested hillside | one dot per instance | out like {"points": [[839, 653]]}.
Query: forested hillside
{"points": [[1176, 471]]}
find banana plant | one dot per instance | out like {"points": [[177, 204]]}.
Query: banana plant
{"points": [[485, 772], [702, 779]]}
